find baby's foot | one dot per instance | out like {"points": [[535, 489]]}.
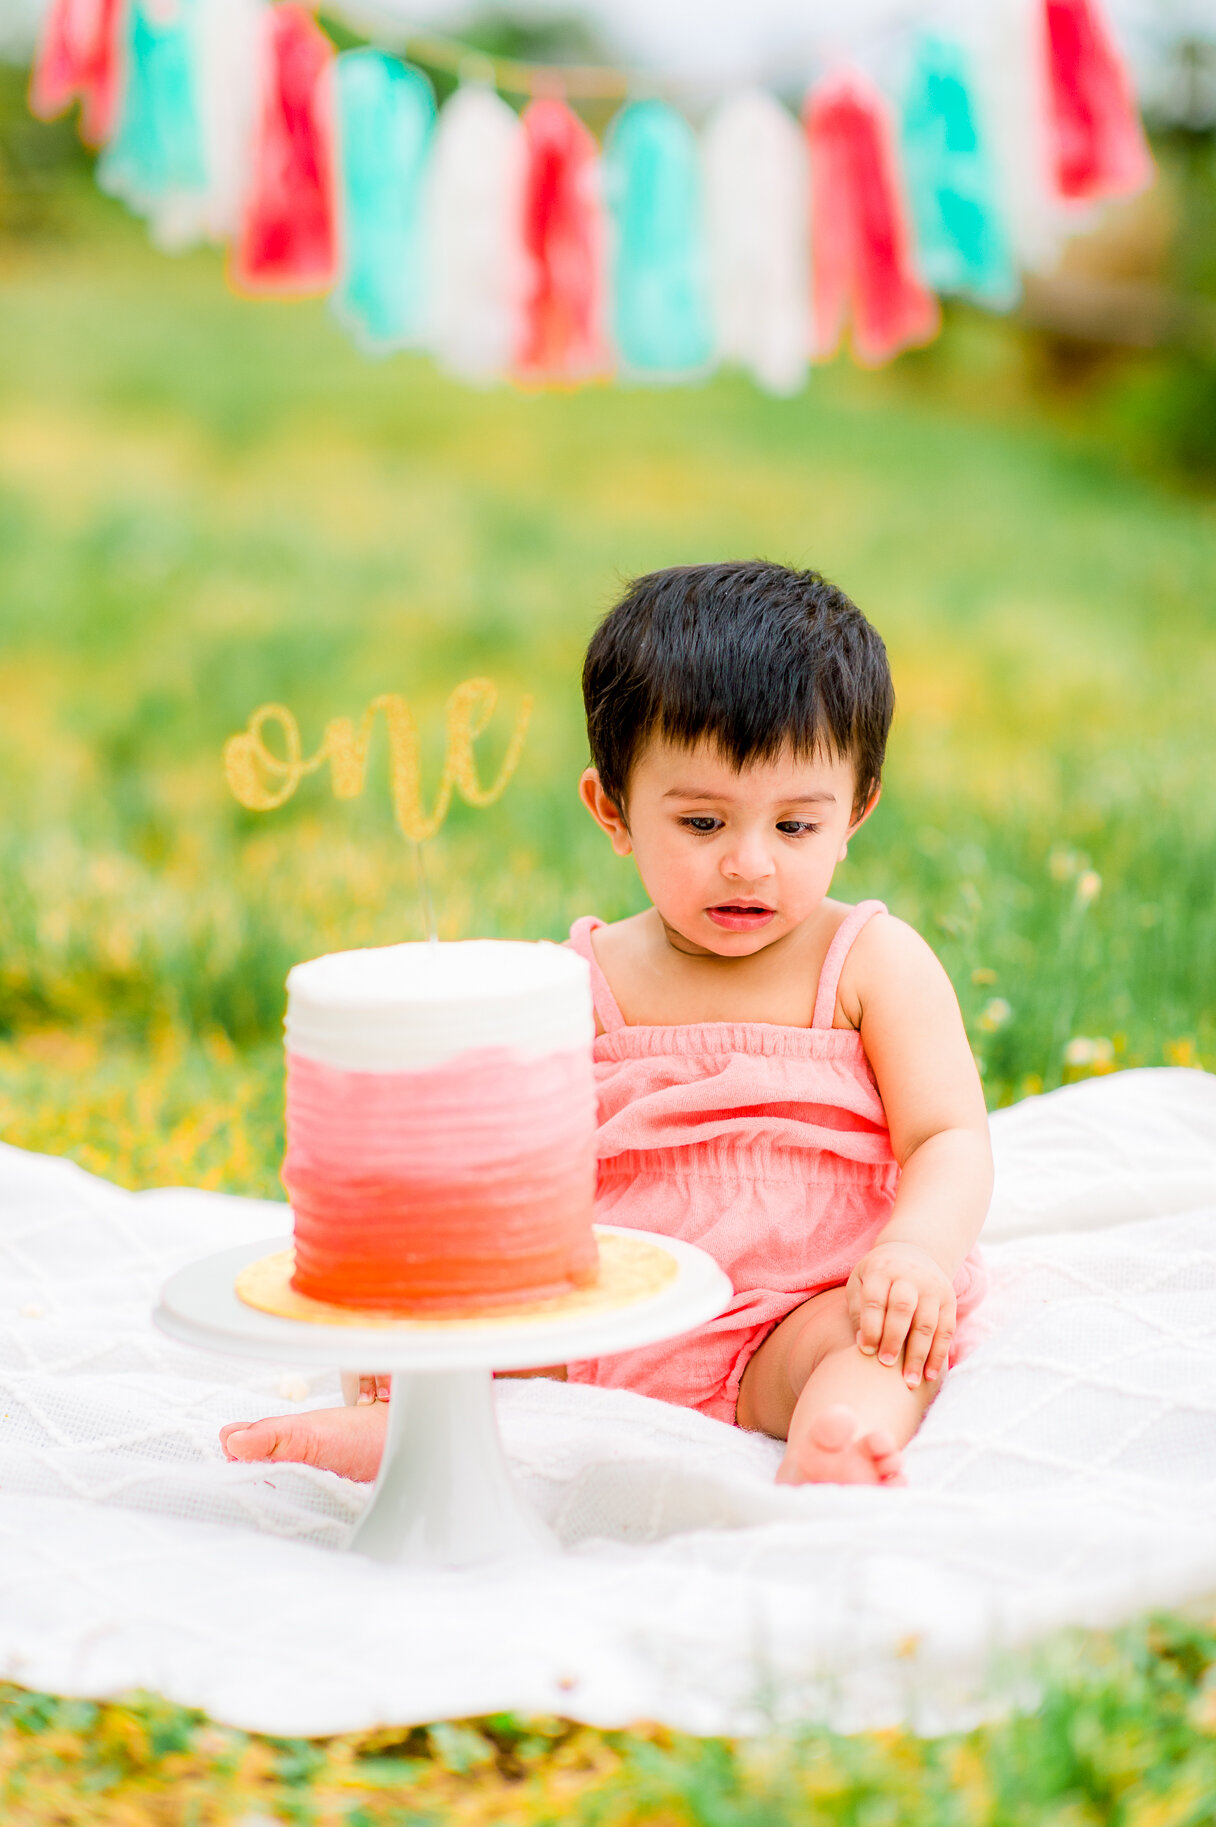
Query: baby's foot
{"points": [[345, 1440], [829, 1449]]}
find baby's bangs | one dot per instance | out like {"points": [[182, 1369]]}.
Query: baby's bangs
{"points": [[747, 731]]}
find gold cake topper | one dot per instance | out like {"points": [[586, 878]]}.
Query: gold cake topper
{"points": [[262, 778]]}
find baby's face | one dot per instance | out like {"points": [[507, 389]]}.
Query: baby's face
{"points": [[735, 859]]}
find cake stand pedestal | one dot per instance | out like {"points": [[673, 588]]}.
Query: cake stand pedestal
{"points": [[444, 1496]]}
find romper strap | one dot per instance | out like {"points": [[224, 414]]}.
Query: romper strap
{"points": [[606, 1006], [833, 964]]}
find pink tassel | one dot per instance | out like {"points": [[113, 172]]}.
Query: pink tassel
{"points": [[563, 239], [79, 56], [1098, 145], [860, 238], [288, 240]]}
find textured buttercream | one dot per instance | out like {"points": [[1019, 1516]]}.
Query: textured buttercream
{"points": [[405, 1008], [469, 1181]]}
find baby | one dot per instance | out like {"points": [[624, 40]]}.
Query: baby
{"points": [[783, 1079]]}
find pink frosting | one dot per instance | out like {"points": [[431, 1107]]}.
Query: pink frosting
{"points": [[448, 1188]]}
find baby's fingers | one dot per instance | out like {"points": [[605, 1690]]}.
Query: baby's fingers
{"points": [[373, 1388], [873, 1294], [921, 1339], [943, 1338], [901, 1306]]}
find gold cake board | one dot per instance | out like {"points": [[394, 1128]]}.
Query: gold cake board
{"points": [[631, 1269]]}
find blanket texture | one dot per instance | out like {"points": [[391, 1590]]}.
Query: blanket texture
{"points": [[1066, 1475]]}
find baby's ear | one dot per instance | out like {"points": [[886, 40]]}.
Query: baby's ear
{"points": [[866, 810], [604, 811]]}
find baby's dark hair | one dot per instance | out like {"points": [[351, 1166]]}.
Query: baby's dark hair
{"points": [[750, 656]]}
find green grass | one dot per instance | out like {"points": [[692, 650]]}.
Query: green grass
{"points": [[1124, 1736], [205, 503]]}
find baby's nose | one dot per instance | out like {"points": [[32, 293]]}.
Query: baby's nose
{"points": [[749, 861]]}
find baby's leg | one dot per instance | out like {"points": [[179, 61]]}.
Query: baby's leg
{"points": [[845, 1416], [345, 1440]]}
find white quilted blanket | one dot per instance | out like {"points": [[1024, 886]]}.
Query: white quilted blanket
{"points": [[1066, 1475]]}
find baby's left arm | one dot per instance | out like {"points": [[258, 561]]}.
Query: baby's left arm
{"points": [[901, 1293]]}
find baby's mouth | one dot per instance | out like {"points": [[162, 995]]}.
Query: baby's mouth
{"points": [[741, 916]]}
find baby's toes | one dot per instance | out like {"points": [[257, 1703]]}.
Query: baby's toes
{"points": [[227, 1433], [291, 1437], [887, 1457], [827, 1450], [246, 1440]]}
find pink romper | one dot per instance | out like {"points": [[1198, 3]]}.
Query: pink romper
{"points": [[767, 1146]]}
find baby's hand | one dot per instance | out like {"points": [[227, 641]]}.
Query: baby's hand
{"points": [[373, 1388], [901, 1299]]}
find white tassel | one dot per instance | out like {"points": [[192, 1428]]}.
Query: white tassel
{"points": [[473, 235], [758, 221], [230, 56], [1011, 73]]}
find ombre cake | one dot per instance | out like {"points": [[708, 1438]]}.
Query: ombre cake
{"points": [[441, 1125]]}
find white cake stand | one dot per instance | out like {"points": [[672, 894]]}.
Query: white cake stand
{"points": [[444, 1495]]}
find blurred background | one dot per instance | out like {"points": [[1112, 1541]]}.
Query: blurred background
{"points": [[209, 500]]}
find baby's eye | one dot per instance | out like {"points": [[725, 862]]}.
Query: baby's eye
{"points": [[701, 823], [796, 827]]}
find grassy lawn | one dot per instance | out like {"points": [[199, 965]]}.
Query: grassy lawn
{"points": [[1124, 1736], [206, 503]]}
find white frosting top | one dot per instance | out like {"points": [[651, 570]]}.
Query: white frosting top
{"points": [[401, 1008]]}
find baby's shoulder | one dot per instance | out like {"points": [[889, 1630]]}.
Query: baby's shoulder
{"points": [[888, 956], [886, 935], [619, 937]]}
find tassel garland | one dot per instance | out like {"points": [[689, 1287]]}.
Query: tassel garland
{"points": [[859, 229], [229, 42], [385, 115], [509, 245], [1098, 140], [78, 60], [758, 208], [157, 147], [474, 212], [288, 240], [563, 235], [652, 175], [960, 238]]}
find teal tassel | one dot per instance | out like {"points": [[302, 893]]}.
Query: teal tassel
{"points": [[660, 309], [157, 146], [386, 113], [961, 243]]}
